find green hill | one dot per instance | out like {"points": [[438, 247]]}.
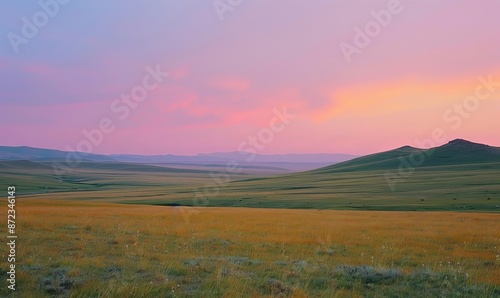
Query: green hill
{"points": [[458, 176], [456, 152]]}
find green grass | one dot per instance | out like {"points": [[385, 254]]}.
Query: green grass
{"points": [[455, 153], [459, 176], [437, 188]]}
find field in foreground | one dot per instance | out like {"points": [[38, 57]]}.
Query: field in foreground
{"points": [[83, 249]]}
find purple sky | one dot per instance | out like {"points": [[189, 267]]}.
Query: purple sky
{"points": [[416, 76]]}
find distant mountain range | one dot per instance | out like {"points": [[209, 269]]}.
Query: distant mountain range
{"points": [[39, 154], [237, 156], [294, 162], [455, 152]]}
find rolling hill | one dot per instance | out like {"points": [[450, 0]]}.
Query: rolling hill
{"points": [[458, 176], [456, 152]]}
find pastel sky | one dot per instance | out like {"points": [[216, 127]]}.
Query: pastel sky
{"points": [[226, 77]]}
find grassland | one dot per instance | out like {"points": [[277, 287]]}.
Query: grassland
{"points": [[88, 249], [108, 229], [472, 187], [458, 176]]}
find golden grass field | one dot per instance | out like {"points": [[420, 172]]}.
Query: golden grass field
{"points": [[83, 249]]}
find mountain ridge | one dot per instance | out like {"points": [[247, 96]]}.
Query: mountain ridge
{"points": [[288, 162], [455, 152]]}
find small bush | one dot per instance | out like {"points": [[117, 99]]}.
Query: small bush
{"points": [[368, 274], [58, 282], [277, 288]]}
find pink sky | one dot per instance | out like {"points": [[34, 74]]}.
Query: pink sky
{"points": [[227, 77]]}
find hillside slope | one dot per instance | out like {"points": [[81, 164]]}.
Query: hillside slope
{"points": [[456, 152]]}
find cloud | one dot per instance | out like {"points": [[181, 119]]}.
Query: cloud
{"points": [[395, 97], [229, 84], [226, 78]]}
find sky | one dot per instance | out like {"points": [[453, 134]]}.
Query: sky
{"points": [[284, 76]]}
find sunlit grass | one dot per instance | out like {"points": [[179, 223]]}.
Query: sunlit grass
{"points": [[104, 250]]}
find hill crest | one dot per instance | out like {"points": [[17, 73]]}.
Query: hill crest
{"points": [[455, 152]]}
